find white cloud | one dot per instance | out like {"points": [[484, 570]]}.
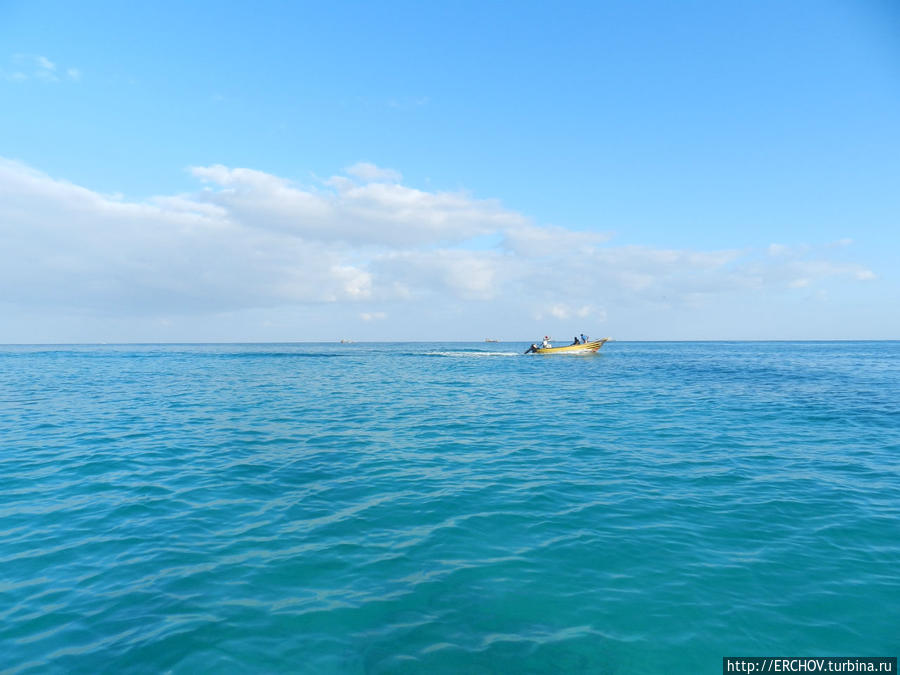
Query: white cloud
{"points": [[535, 241], [469, 275], [44, 63], [36, 67], [343, 210], [562, 311], [67, 245], [373, 174], [252, 240]]}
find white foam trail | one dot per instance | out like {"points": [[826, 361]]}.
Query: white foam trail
{"points": [[472, 354]]}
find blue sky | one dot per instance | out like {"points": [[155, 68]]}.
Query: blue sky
{"points": [[649, 170]]}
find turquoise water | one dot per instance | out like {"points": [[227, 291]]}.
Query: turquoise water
{"points": [[446, 508]]}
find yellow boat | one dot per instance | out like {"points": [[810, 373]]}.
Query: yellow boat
{"points": [[588, 347]]}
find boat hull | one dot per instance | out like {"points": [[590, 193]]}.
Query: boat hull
{"points": [[587, 348]]}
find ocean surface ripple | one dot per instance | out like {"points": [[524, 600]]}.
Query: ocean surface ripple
{"points": [[446, 508]]}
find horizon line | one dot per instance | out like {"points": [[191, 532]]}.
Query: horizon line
{"points": [[407, 341]]}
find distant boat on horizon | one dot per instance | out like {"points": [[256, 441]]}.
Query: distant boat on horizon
{"points": [[491, 340]]}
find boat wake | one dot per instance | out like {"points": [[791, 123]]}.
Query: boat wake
{"points": [[471, 353]]}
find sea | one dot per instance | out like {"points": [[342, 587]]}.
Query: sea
{"points": [[446, 507]]}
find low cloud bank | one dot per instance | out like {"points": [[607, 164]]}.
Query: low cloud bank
{"points": [[363, 242]]}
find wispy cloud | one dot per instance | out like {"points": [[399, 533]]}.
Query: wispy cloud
{"points": [[370, 173], [45, 64], [24, 67]]}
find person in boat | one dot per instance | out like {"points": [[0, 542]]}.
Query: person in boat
{"points": [[532, 348], [583, 339], [576, 342], [546, 343]]}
